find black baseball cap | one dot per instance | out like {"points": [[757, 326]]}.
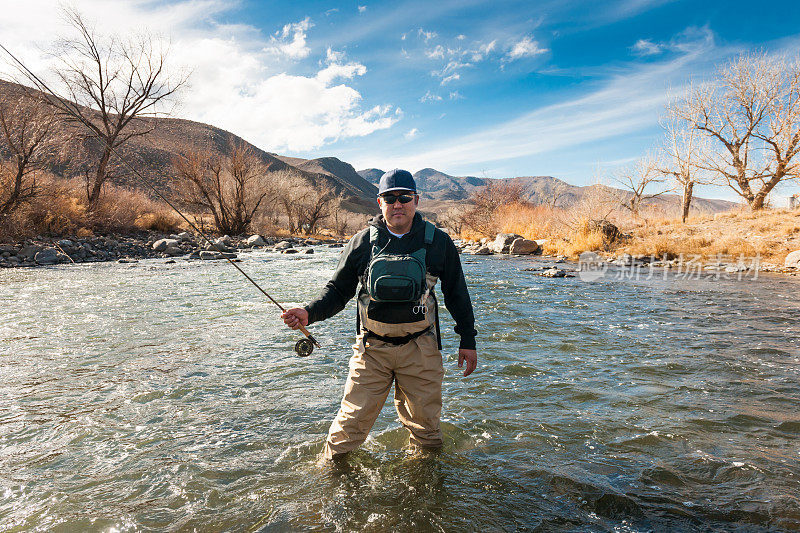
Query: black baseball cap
{"points": [[397, 180]]}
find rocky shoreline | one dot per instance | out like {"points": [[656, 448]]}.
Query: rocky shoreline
{"points": [[133, 247], [511, 244]]}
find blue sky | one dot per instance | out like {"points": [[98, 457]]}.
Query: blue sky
{"points": [[497, 89]]}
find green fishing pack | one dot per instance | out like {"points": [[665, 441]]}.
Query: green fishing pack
{"points": [[397, 278]]}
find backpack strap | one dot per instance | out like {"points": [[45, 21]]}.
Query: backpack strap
{"points": [[429, 230]]}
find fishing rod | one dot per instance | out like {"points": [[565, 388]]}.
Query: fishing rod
{"points": [[303, 347]]}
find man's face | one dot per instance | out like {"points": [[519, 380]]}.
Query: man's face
{"points": [[399, 215]]}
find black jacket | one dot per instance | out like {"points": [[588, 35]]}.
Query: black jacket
{"points": [[442, 261]]}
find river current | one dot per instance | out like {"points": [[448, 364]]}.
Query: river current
{"points": [[167, 397]]}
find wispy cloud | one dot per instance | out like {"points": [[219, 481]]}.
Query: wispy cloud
{"points": [[291, 40], [410, 134], [362, 9], [525, 47], [624, 104], [646, 47], [430, 97]]}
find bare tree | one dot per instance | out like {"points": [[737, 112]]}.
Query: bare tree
{"points": [[752, 113], [636, 179], [110, 83], [681, 152], [28, 135], [231, 187], [304, 205], [340, 217], [486, 202]]}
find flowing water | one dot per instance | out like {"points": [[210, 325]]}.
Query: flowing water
{"points": [[166, 397]]}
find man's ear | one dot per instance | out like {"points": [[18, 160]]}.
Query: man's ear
{"points": [[379, 201], [416, 199]]}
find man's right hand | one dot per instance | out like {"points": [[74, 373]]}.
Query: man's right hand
{"points": [[295, 317]]}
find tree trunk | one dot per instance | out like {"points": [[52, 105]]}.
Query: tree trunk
{"points": [[100, 176], [687, 199]]}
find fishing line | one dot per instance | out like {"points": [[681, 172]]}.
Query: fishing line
{"points": [[303, 347]]}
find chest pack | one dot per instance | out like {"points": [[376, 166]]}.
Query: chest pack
{"points": [[397, 278]]}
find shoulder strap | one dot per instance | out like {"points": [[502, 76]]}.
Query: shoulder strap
{"points": [[429, 230], [373, 235]]}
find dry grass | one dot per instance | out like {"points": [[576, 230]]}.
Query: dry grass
{"points": [[61, 209], [770, 234]]}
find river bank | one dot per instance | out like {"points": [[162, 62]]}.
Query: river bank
{"points": [[130, 247]]}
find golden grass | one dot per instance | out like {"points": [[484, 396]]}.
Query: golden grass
{"points": [[770, 234]]}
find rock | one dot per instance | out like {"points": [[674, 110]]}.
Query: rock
{"points": [[610, 232], [482, 250], [290, 251], [309, 251], [283, 245], [225, 240], [170, 262], [792, 260], [127, 260], [65, 243], [255, 240], [162, 244], [28, 252], [552, 273], [313, 242], [210, 255], [173, 250], [336, 245], [523, 247], [48, 256], [184, 236], [8, 249], [623, 260], [502, 242]]}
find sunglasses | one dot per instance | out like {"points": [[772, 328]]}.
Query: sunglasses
{"points": [[404, 198]]}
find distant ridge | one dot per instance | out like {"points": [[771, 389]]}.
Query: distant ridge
{"points": [[440, 187]]}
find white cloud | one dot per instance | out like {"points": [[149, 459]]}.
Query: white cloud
{"points": [[646, 47], [291, 40], [430, 97], [526, 47], [234, 84], [361, 9], [427, 35], [451, 77], [332, 56], [410, 134], [455, 95], [461, 37], [436, 53], [484, 50]]}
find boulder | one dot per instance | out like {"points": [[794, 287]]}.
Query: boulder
{"points": [[308, 251], [523, 247], [173, 250], [482, 250], [48, 256], [255, 240], [792, 260], [162, 244], [225, 240], [610, 232], [291, 251], [553, 273], [65, 243], [184, 236], [7, 248], [209, 255], [283, 245], [28, 252], [502, 242], [336, 245]]}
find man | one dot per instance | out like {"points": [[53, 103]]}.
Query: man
{"points": [[397, 260]]}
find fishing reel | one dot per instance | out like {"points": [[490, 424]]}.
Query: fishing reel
{"points": [[304, 347]]}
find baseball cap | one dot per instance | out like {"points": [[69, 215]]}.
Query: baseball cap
{"points": [[397, 180]]}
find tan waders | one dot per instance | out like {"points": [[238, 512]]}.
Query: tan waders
{"points": [[417, 371]]}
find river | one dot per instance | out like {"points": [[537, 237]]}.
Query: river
{"points": [[166, 397]]}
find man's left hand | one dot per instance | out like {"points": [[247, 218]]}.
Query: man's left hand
{"points": [[471, 357]]}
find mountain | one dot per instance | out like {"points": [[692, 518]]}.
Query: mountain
{"points": [[154, 155], [443, 190]]}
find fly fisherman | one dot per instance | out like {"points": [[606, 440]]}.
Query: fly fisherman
{"points": [[397, 259]]}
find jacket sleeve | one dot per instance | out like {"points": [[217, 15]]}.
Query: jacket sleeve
{"points": [[456, 296], [342, 286]]}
